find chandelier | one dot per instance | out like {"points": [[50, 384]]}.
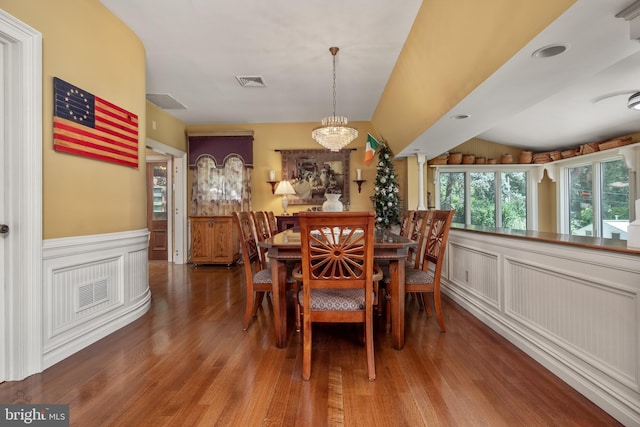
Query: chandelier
{"points": [[334, 133]]}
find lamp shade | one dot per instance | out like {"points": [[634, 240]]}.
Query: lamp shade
{"points": [[284, 188]]}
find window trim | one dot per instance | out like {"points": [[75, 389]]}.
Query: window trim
{"points": [[595, 160], [534, 176]]}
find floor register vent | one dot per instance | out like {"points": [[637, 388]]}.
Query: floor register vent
{"points": [[92, 294]]}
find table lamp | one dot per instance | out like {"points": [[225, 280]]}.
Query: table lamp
{"points": [[284, 189]]}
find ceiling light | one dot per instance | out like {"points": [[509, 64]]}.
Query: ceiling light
{"points": [[634, 101], [549, 51], [334, 133]]}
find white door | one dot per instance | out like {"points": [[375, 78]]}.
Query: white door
{"points": [[3, 227], [20, 199]]}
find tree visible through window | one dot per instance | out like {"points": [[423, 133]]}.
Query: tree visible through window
{"points": [[599, 199], [483, 201]]}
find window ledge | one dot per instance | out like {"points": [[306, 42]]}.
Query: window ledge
{"points": [[614, 245]]}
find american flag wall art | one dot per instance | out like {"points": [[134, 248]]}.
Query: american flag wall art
{"points": [[86, 125]]}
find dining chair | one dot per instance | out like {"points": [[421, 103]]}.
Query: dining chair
{"points": [[262, 232], [419, 222], [418, 225], [337, 274], [273, 223], [257, 279], [405, 223], [426, 279]]}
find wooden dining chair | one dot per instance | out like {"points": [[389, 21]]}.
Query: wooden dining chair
{"points": [[262, 231], [406, 222], [273, 223], [257, 279], [426, 279], [337, 274], [420, 220]]}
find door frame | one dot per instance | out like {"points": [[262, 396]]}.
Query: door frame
{"points": [[167, 160], [21, 310], [177, 199]]}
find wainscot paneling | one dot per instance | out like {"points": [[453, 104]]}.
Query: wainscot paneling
{"points": [[575, 310], [92, 286]]}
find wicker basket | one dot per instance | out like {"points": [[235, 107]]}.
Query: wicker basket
{"points": [[525, 157], [506, 159], [555, 155], [589, 148], [540, 158], [481, 160], [438, 161], [491, 161], [468, 159], [455, 158], [569, 153]]}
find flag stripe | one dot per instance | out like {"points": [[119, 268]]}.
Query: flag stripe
{"points": [[62, 126], [88, 125], [62, 148], [69, 140]]}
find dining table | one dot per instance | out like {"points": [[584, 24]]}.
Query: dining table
{"points": [[285, 247]]}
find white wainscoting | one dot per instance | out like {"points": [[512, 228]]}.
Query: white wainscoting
{"points": [[92, 286], [574, 310]]}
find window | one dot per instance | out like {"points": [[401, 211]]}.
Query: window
{"points": [[491, 198], [220, 190], [596, 195]]}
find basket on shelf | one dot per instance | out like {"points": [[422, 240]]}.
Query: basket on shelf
{"points": [[555, 155], [613, 143], [491, 161], [525, 157], [481, 160], [589, 148], [442, 159], [468, 159], [569, 153], [455, 158], [506, 159], [540, 158]]}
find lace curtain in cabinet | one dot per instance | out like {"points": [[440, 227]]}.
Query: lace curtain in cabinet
{"points": [[220, 190]]}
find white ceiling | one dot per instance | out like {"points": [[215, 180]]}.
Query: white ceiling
{"points": [[196, 48]]}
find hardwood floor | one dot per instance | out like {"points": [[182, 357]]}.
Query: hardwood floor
{"points": [[187, 362]]}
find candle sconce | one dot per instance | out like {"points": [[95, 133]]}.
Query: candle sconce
{"points": [[359, 182], [273, 186]]}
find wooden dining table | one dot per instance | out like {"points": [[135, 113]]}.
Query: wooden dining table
{"points": [[285, 247]]}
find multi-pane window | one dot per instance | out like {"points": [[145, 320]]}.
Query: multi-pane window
{"points": [[597, 198], [496, 198]]}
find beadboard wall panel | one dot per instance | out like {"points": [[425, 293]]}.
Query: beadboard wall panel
{"points": [[92, 286], [575, 310]]}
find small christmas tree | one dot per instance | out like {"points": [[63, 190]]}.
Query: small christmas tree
{"points": [[385, 200]]}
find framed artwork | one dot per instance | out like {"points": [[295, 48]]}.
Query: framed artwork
{"points": [[312, 173]]}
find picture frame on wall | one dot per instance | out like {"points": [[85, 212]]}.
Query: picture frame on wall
{"points": [[313, 173]]}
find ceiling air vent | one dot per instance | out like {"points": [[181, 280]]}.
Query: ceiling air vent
{"points": [[165, 101], [250, 81]]}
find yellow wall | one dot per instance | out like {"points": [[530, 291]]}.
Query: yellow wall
{"points": [[452, 48], [289, 136], [168, 130], [85, 45]]}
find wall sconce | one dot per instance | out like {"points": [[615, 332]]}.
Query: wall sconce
{"points": [[284, 189], [272, 180], [359, 179]]}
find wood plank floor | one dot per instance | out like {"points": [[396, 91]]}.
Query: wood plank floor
{"points": [[187, 362]]}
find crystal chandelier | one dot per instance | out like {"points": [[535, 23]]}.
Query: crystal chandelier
{"points": [[334, 133]]}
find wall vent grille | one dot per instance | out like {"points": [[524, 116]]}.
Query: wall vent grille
{"points": [[92, 294]]}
